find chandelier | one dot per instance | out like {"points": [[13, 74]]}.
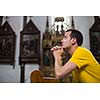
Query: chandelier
{"points": [[60, 25]]}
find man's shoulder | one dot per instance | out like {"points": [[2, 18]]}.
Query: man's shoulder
{"points": [[81, 51]]}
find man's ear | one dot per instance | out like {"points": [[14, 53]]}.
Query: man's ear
{"points": [[73, 40]]}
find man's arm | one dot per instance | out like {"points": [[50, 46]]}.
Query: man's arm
{"points": [[61, 71]]}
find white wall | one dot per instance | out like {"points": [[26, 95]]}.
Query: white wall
{"points": [[83, 23], [10, 75]]}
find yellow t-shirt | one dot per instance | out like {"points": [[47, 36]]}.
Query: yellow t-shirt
{"points": [[88, 69]]}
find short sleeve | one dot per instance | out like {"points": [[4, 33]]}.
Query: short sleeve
{"points": [[80, 58]]}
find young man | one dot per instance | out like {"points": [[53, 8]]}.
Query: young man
{"points": [[82, 63]]}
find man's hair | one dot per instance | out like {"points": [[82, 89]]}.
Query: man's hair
{"points": [[76, 34]]}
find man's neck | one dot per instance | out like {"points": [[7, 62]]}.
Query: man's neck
{"points": [[72, 49]]}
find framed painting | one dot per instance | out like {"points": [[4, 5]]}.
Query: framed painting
{"points": [[29, 45], [95, 38], [7, 44]]}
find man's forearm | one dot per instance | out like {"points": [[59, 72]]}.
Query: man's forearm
{"points": [[58, 67]]}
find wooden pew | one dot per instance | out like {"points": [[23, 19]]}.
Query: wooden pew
{"points": [[37, 77]]}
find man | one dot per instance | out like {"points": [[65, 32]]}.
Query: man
{"points": [[82, 63]]}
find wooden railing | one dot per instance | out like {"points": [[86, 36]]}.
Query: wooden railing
{"points": [[37, 77]]}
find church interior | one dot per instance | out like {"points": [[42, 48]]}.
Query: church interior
{"points": [[25, 43]]}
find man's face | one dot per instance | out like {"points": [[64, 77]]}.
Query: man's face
{"points": [[66, 41]]}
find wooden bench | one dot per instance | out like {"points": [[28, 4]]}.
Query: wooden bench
{"points": [[37, 77]]}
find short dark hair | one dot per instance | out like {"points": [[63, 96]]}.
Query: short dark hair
{"points": [[76, 34]]}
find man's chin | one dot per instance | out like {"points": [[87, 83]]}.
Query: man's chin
{"points": [[63, 47]]}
